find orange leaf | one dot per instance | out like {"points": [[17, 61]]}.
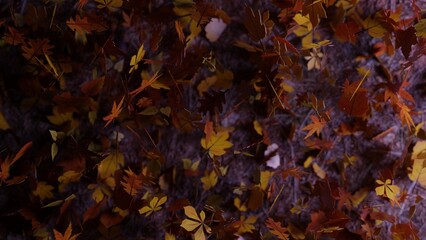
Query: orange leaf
{"points": [[145, 83], [404, 115], [276, 228], [66, 235], [115, 111], [132, 183], [315, 127]]}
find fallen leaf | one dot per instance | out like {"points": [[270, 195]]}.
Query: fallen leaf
{"points": [[247, 224], [154, 205], [217, 144], [195, 222], [115, 111], [315, 127], [131, 183], [209, 180], [43, 191], [386, 189], [315, 10], [66, 235], [276, 229]]}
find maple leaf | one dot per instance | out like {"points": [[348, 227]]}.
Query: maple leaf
{"points": [[115, 111], [354, 100], [195, 222], [315, 10], [43, 191], [66, 235], [112, 5], [217, 144], [154, 205], [396, 90], [132, 183], [134, 61], [405, 39], [386, 189], [144, 84], [315, 127], [84, 26], [276, 229]]}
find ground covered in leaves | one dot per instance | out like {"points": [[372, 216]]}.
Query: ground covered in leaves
{"points": [[281, 119]]}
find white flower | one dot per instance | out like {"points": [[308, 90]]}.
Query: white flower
{"points": [[314, 61]]}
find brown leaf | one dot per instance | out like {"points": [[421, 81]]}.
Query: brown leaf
{"points": [[254, 24], [354, 100], [315, 10], [405, 39]]}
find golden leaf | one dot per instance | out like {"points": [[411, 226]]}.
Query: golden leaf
{"points": [[195, 221], [386, 189], [217, 144], [110, 164], [134, 61], [154, 205]]}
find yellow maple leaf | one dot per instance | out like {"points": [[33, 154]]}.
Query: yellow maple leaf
{"points": [[247, 224], [43, 191], [66, 235], [315, 127], [209, 180], [112, 5], [154, 205], [134, 61], [386, 189], [110, 164], [217, 144], [195, 222]]}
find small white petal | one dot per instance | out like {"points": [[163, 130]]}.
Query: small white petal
{"points": [[214, 29]]}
